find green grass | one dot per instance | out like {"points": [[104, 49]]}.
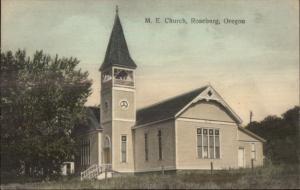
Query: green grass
{"points": [[279, 177]]}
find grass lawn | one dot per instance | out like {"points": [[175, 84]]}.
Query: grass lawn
{"points": [[279, 177]]}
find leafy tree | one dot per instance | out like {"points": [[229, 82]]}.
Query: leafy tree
{"points": [[282, 135], [41, 100]]}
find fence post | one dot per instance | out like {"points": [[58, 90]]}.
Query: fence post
{"points": [[211, 167], [162, 170]]}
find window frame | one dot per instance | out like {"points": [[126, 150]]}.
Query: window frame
{"points": [[253, 151], [199, 133], [126, 149], [208, 142], [219, 136], [213, 142], [205, 153], [146, 143], [160, 151]]}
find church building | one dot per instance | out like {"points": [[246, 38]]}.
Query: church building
{"points": [[196, 130]]}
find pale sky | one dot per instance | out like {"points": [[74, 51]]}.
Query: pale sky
{"points": [[254, 66]]}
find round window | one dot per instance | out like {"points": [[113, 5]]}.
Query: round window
{"points": [[124, 104]]}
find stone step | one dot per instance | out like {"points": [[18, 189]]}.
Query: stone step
{"points": [[102, 175]]}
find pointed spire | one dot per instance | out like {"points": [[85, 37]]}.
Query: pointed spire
{"points": [[117, 53]]}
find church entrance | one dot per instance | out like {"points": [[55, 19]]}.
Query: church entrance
{"points": [[107, 151], [107, 157]]}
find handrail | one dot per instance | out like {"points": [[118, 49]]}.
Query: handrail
{"points": [[94, 170]]}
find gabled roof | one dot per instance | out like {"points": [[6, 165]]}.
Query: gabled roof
{"points": [[93, 116], [167, 108], [174, 107], [91, 123], [251, 134], [210, 94], [117, 53]]}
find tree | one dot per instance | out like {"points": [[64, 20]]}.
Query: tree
{"points": [[41, 99], [282, 135]]}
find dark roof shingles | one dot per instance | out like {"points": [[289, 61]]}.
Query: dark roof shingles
{"points": [[91, 123], [117, 53], [166, 109]]}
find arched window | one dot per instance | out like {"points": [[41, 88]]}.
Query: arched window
{"points": [[107, 142], [107, 150]]}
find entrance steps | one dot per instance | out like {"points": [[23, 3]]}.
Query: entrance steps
{"points": [[105, 175], [96, 171]]}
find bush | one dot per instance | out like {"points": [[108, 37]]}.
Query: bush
{"points": [[270, 176]]}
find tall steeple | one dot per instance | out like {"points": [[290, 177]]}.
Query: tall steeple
{"points": [[117, 53], [118, 111]]}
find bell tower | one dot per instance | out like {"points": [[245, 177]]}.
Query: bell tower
{"points": [[118, 109]]}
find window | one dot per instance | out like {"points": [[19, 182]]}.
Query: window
{"points": [[85, 152], [146, 146], [123, 77], [81, 153], [209, 93], [205, 144], [208, 143], [89, 153], [124, 104], [217, 144], [123, 148], [211, 143], [105, 106], [253, 151], [106, 76], [199, 143], [159, 145]]}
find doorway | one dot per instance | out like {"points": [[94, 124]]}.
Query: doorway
{"points": [[107, 157], [241, 157], [107, 150]]}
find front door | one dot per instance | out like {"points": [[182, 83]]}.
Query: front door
{"points": [[107, 151], [241, 158], [107, 157]]}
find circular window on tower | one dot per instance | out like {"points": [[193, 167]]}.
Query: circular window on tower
{"points": [[105, 106], [124, 104]]}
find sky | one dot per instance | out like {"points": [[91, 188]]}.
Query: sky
{"points": [[253, 66]]}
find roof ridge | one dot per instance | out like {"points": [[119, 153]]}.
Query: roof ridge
{"points": [[171, 98]]}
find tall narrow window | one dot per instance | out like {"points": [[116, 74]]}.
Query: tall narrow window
{"points": [[146, 146], [89, 152], [211, 143], [253, 151], [81, 153], [85, 152], [217, 144], [123, 148], [199, 142], [159, 145], [205, 143]]}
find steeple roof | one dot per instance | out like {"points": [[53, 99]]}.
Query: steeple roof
{"points": [[117, 53]]}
